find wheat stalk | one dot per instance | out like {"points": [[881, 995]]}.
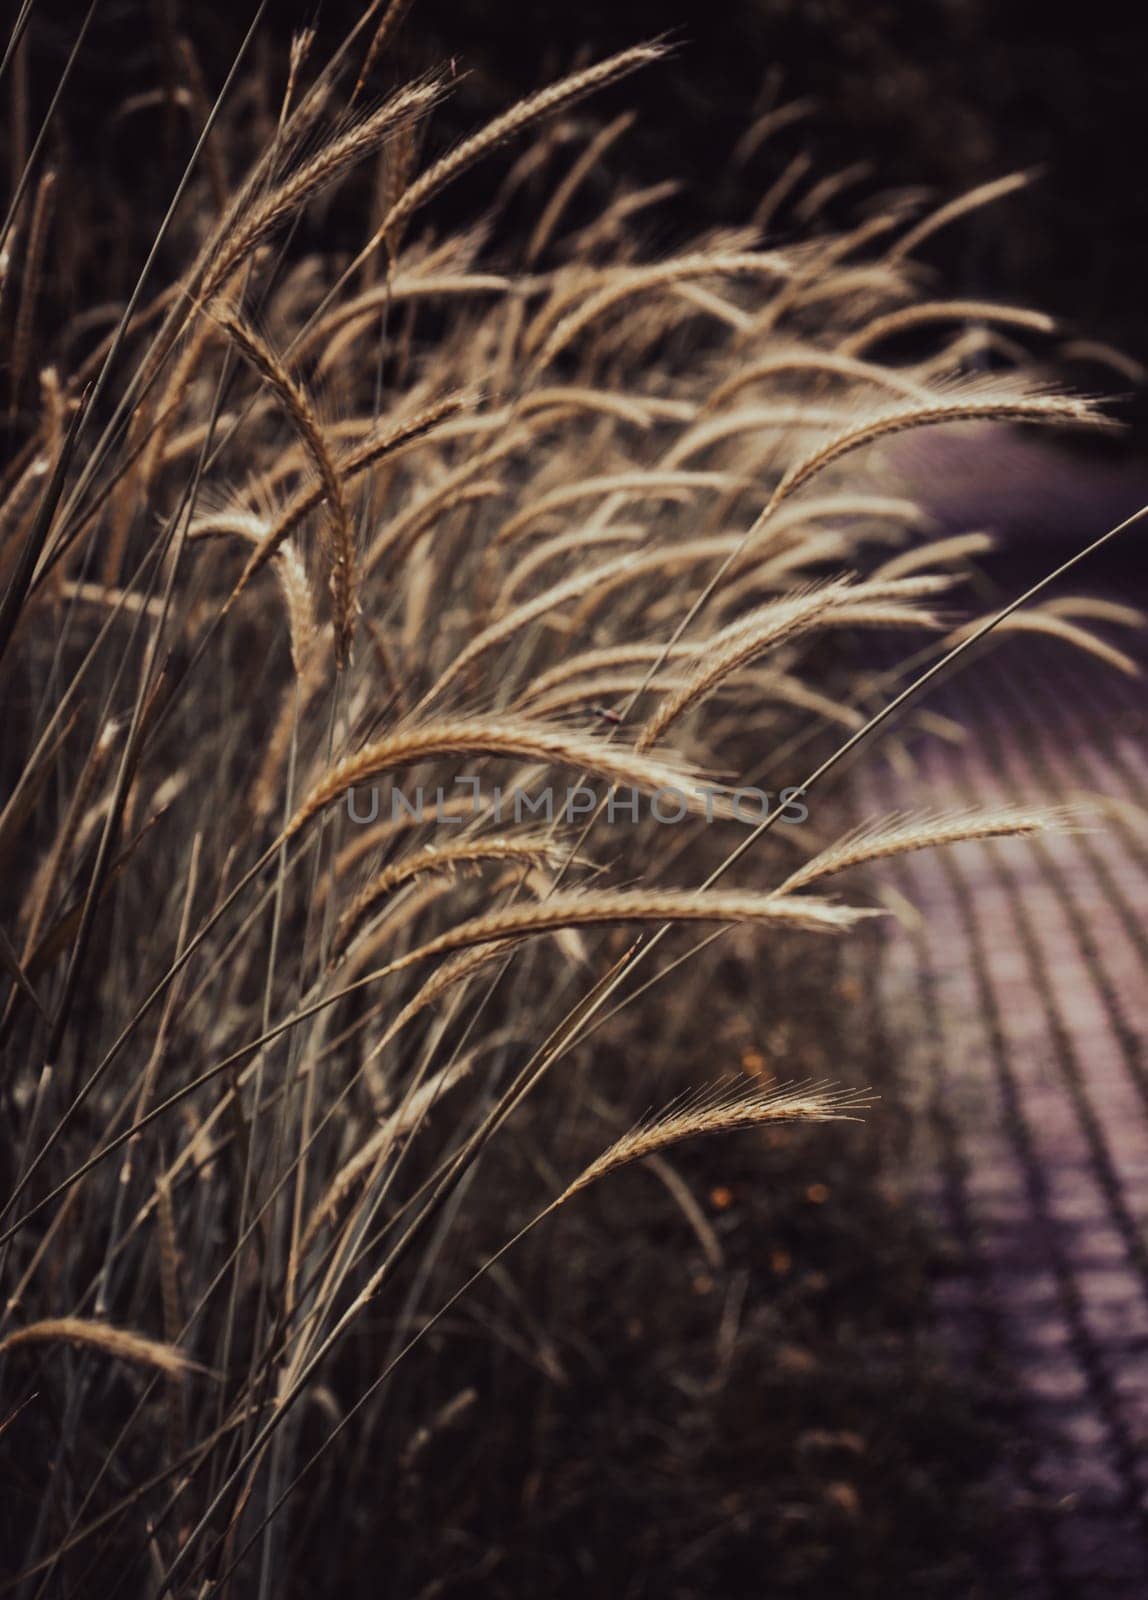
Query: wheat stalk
{"points": [[899, 836], [723, 1110], [121, 1343]]}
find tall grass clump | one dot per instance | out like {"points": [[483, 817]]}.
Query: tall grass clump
{"points": [[405, 644]]}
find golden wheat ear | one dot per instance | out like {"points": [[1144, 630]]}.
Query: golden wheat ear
{"points": [[299, 407], [514, 738], [898, 836], [547, 102], [586, 909], [448, 859], [722, 1112], [121, 1343], [1056, 624]]}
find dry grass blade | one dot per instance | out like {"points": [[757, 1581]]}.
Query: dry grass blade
{"points": [[559, 594], [938, 553], [650, 485], [1096, 610], [389, 24], [762, 630], [917, 316], [405, 1119], [30, 283], [803, 360]]}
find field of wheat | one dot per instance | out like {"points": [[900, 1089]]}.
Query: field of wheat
{"points": [[430, 661]]}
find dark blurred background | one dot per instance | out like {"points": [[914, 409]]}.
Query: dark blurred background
{"points": [[940, 93], [930, 97]]}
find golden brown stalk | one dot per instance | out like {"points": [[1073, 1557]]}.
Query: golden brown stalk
{"points": [[801, 360], [827, 188], [201, 110], [693, 297], [55, 411], [608, 231], [343, 326], [780, 190], [899, 835], [370, 1153], [839, 603], [53, 866], [172, 1319], [557, 97], [988, 401], [172, 399], [297, 403], [939, 553], [389, 24], [368, 840], [982, 195], [1040, 620], [641, 410], [516, 739], [666, 560], [719, 1112], [1105, 355], [1097, 610], [252, 224], [298, 596], [651, 485], [608, 687], [564, 192], [822, 278], [589, 662], [644, 280], [387, 443], [118, 1342], [917, 316], [296, 700], [412, 286], [593, 909], [764, 629], [769, 123], [577, 541], [100, 594], [443, 859], [302, 622], [792, 691], [571, 588], [794, 416], [398, 537]]}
